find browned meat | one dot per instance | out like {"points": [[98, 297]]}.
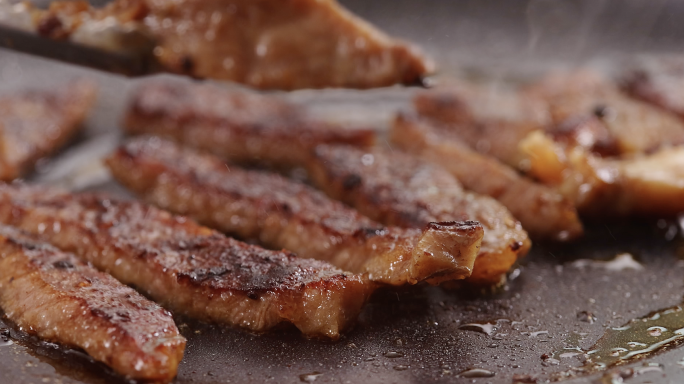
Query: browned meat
{"points": [[488, 119], [632, 126], [285, 214], [35, 124], [187, 267], [644, 184], [542, 211], [660, 82], [283, 44], [54, 295], [236, 126], [397, 189]]}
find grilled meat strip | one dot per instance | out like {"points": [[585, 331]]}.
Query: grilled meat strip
{"points": [[189, 268], [543, 212], [584, 98], [34, 124], [234, 125], [56, 296], [285, 214], [276, 44], [395, 188], [488, 119], [643, 184], [658, 81]]}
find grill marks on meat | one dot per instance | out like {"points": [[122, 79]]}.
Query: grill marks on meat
{"points": [[56, 296], [34, 124], [285, 214], [187, 267], [270, 44], [397, 189], [236, 126], [542, 211]]}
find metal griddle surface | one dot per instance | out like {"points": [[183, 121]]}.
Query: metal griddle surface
{"points": [[537, 312]]}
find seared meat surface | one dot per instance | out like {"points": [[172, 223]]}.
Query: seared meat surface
{"points": [[488, 119], [270, 44], [625, 126], [395, 188], [57, 297], [34, 124], [285, 214], [543, 212], [234, 125], [189, 268], [658, 81]]}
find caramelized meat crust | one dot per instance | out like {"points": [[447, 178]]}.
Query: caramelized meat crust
{"points": [[486, 118], [633, 126], [58, 297], [35, 124], [542, 211], [234, 125], [187, 267], [269, 44], [281, 213], [395, 188], [658, 81]]}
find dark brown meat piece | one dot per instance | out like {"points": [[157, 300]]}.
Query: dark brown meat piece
{"points": [[189, 268], [395, 188], [543, 212], [234, 125], [57, 297], [285, 214], [35, 124]]}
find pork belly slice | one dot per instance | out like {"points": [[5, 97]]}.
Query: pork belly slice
{"points": [[274, 44], [629, 126], [34, 124], [398, 189], [487, 118], [234, 125], [659, 81], [188, 268], [282, 213], [543, 212], [59, 298], [642, 184]]}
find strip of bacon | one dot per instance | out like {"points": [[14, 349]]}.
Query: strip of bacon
{"points": [[395, 188], [543, 212], [234, 125], [281, 213], [189, 268], [35, 124], [57, 297]]}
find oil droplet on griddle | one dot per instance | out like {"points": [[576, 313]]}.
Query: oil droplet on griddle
{"points": [[486, 328], [637, 339], [309, 377], [5, 337], [393, 355], [620, 263], [476, 372]]}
